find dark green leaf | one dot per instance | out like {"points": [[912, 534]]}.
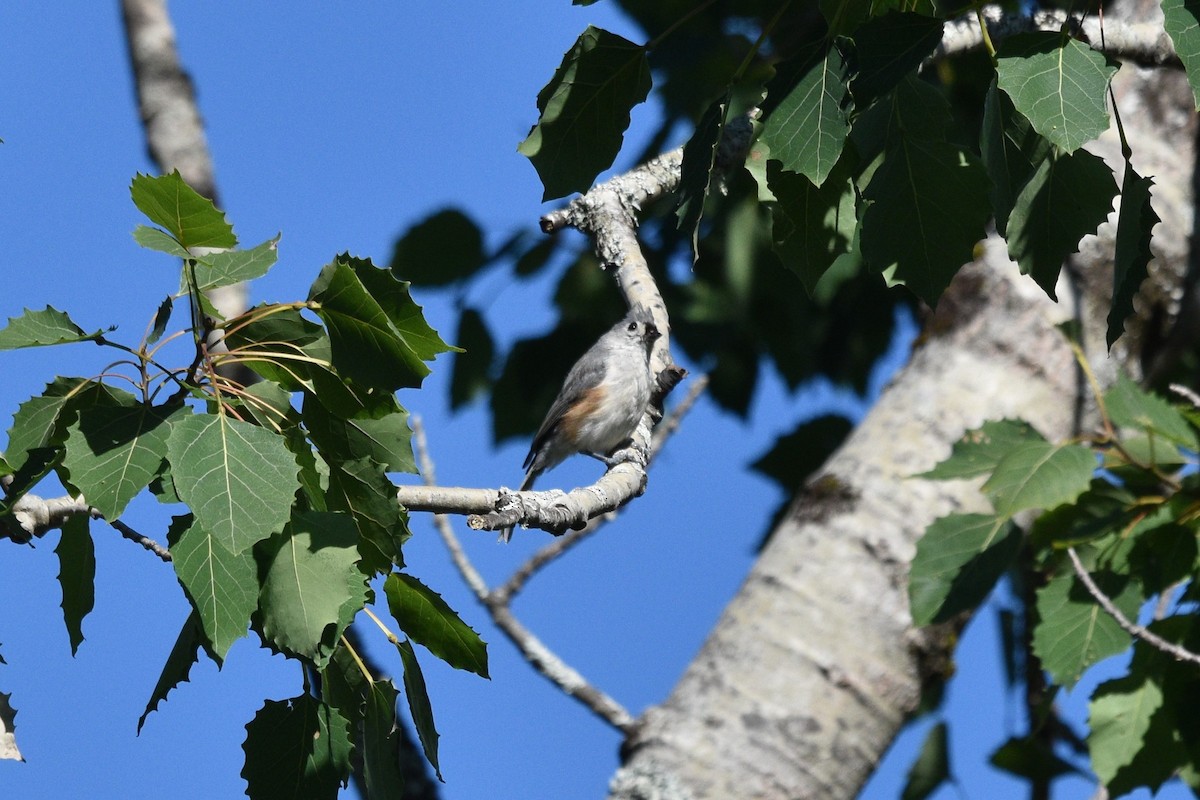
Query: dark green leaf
{"points": [[1058, 84], [1066, 199], [979, 451], [932, 767], [1074, 632], [1039, 475], [297, 748], [427, 619], [42, 328], [41, 421], [114, 453], [927, 209], [234, 266], [418, 704], [1131, 260], [238, 479], [362, 490], [584, 111], [380, 745], [1118, 719], [795, 456], [807, 130], [1130, 406], [1030, 758], [530, 262], [192, 219], [76, 575], [958, 561], [472, 372], [441, 249], [811, 227], [843, 16], [1011, 149], [696, 171], [380, 433], [222, 586], [378, 335], [887, 49], [1101, 510], [1180, 21], [179, 664], [312, 587], [161, 318]]}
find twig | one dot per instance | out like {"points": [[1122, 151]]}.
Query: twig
{"points": [[133, 536], [561, 545], [535, 652], [1186, 393], [1133, 629]]}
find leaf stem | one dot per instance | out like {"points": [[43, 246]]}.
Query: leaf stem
{"points": [[362, 667]]}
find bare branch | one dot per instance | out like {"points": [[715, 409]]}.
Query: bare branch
{"points": [[1143, 43], [1132, 628], [36, 516], [535, 652]]}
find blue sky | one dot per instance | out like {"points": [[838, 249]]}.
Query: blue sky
{"points": [[340, 129]]}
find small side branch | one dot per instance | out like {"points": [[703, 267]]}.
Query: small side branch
{"points": [[1130, 627], [35, 516]]}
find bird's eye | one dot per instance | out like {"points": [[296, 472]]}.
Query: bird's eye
{"points": [[633, 326]]}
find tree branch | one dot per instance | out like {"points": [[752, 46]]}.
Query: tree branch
{"points": [[542, 658], [1141, 42], [36, 516], [1132, 628]]}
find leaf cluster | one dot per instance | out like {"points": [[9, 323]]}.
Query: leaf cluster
{"points": [[288, 512], [1124, 503]]}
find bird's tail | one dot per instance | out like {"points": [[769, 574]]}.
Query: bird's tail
{"points": [[526, 485]]}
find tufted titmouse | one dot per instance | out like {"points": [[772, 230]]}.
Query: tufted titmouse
{"points": [[601, 401]]}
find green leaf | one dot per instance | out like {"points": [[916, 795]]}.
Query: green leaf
{"points": [[932, 767], [696, 170], [887, 49], [1101, 510], [980, 450], [807, 130], [811, 227], [41, 329], [471, 374], [161, 318], [161, 241], [584, 111], [1066, 199], [114, 452], [192, 219], [1130, 406], [1059, 85], [312, 586], [222, 586], [380, 433], [1030, 758], [1118, 719], [378, 335], [927, 208], [179, 664], [297, 748], [958, 561], [441, 249], [361, 489], [418, 704], [1011, 149], [428, 620], [76, 575], [380, 745], [1039, 475], [238, 479], [1074, 632], [1180, 21], [234, 266], [40, 422], [843, 16], [1131, 261]]}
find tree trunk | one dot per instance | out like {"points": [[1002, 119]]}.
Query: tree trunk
{"points": [[815, 665]]}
